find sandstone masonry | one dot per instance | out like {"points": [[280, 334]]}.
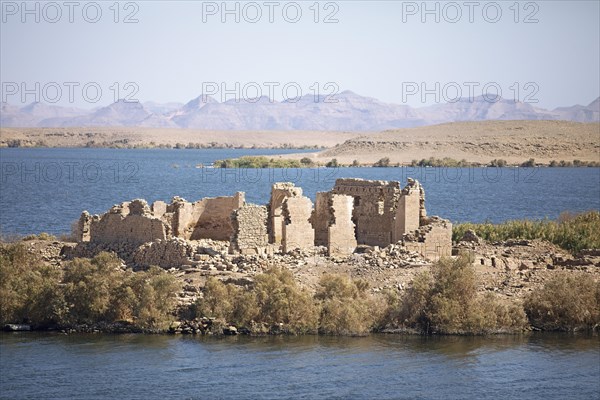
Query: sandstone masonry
{"points": [[355, 212]]}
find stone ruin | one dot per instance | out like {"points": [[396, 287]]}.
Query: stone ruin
{"points": [[355, 212]]}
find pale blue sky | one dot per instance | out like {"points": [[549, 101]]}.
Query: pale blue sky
{"points": [[170, 52]]}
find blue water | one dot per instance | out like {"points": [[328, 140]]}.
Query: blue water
{"points": [[46, 189], [376, 367]]}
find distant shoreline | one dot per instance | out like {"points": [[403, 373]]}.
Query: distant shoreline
{"points": [[479, 143]]}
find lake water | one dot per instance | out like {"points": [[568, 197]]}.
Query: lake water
{"points": [[541, 366], [46, 189]]}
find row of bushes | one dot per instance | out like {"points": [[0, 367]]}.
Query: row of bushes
{"points": [[443, 301], [385, 162], [572, 232], [86, 291]]}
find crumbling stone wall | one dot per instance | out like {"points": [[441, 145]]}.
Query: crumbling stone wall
{"points": [[209, 218], [432, 240], [408, 210], [340, 234], [128, 222], [280, 191], [374, 212], [136, 222], [249, 230], [320, 218], [82, 227], [297, 232]]}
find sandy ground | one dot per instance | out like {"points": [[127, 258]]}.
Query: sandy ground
{"points": [[125, 137], [513, 141]]}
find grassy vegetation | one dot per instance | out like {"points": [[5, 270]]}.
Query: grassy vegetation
{"points": [[567, 302], [572, 232], [40, 236], [437, 162], [88, 291], [258, 162]]}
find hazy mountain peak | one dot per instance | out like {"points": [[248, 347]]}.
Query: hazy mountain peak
{"points": [[346, 110]]}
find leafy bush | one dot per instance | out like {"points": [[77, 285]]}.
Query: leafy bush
{"points": [[281, 301], [307, 162], [89, 286], [446, 302], [528, 164], [98, 290], [29, 290], [384, 162], [332, 164], [347, 307], [275, 304], [567, 302], [572, 232], [226, 302], [498, 163]]}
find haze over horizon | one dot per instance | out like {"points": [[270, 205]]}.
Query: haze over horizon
{"points": [[542, 53]]}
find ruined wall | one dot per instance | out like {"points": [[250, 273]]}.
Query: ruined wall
{"points": [[82, 228], [374, 208], [213, 217], [320, 218], [280, 191], [408, 210], [432, 240], [249, 230], [340, 235], [297, 232], [129, 222], [209, 218]]}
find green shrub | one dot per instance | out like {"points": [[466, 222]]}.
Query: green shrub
{"points": [[281, 301], [154, 297], [528, 164], [436, 162], [498, 163], [259, 162], [332, 164], [567, 302], [307, 162], [384, 162], [98, 290], [347, 307], [572, 232], [88, 287], [446, 302], [227, 302], [29, 290]]}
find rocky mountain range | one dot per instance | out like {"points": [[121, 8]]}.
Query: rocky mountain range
{"points": [[351, 112]]}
